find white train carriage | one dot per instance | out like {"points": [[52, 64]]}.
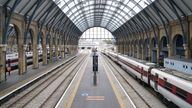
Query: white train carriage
{"points": [[174, 88], [179, 64], [138, 68]]}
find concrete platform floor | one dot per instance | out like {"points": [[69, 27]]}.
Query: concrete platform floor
{"points": [[84, 94]]}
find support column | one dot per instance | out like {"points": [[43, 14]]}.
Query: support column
{"points": [[51, 49], [22, 58], [35, 52], [133, 51], [2, 62], [170, 50], [62, 52], [158, 53], [129, 51], [187, 52], [125, 48], [142, 52], [44, 50], [3, 47], [122, 47], [149, 52], [138, 51], [56, 48]]}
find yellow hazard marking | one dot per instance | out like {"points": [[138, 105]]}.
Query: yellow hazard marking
{"points": [[76, 87], [95, 98], [117, 94]]}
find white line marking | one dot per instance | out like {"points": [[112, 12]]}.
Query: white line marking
{"points": [[58, 103], [122, 87]]}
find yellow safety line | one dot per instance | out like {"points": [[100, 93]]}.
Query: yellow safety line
{"points": [[95, 99], [117, 94], [76, 88]]}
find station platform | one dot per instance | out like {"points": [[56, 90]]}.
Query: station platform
{"points": [[83, 93], [80, 91], [14, 80]]}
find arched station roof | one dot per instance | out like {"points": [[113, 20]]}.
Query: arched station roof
{"points": [[110, 14], [121, 17]]}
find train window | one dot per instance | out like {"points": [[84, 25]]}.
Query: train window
{"points": [[186, 67], [181, 93], [183, 66]]}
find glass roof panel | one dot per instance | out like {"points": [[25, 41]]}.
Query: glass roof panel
{"points": [[110, 14]]}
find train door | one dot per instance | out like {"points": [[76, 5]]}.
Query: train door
{"points": [[156, 81], [149, 77], [142, 73]]}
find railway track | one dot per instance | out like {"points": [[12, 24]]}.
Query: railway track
{"points": [[47, 91], [122, 76]]}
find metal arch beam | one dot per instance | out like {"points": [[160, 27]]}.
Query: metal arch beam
{"points": [[62, 24], [6, 3], [28, 21], [45, 7], [175, 4], [83, 12], [90, 13], [24, 6], [143, 17], [140, 17], [97, 26], [57, 22], [149, 18], [52, 19], [180, 21], [137, 25], [163, 8], [134, 30], [35, 5], [58, 12], [90, 17], [94, 5], [125, 33], [72, 7], [130, 28], [143, 23], [186, 5], [41, 25], [114, 12], [49, 9], [7, 20], [124, 30], [158, 13]]}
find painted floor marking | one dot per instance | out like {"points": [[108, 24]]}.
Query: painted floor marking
{"points": [[95, 98]]}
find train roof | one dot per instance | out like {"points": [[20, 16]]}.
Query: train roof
{"points": [[141, 61], [180, 59], [178, 81], [181, 75]]}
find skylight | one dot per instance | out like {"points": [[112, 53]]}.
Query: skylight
{"points": [[110, 14]]}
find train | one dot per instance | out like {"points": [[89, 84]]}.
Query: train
{"points": [[12, 59], [180, 64], [176, 89]]}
